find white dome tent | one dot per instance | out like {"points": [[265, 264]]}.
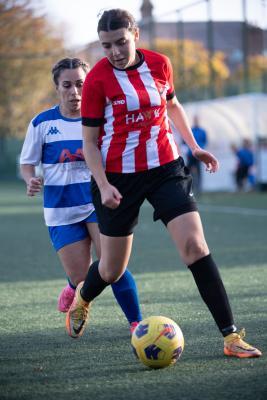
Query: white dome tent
{"points": [[228, 121]]}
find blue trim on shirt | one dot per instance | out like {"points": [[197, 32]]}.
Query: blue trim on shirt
{"points": [[51, 115], [76, 194]]}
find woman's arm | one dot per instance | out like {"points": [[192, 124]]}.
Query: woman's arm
{"points": [[178, 116], [34, 184]]}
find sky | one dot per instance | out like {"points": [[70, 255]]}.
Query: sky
{"points": [[78, 18]]}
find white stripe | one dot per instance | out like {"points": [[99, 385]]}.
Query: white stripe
{"points": [[67, 215], [166, 121], [128, 155], [128, 89], [148, 81], [152, 148], [109, 132], [173, 145], [66, 173], [233, 210], [67, 130]]}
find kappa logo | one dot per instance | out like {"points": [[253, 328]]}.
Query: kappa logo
{"points": [[53, 131]]}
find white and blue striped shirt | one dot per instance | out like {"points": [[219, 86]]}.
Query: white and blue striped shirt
{"points": [[56, 142]]}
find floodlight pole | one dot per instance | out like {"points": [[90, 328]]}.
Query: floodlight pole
{"points": [[264, 42], [151, 29], [210, 45], [246, 80], [181, 49]]}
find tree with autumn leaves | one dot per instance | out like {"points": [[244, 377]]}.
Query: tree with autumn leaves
{"points": [[197, 75], [257, 71], [29, 46], [193, 70]]}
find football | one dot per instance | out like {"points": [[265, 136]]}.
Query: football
{"points": [[157, 342]]}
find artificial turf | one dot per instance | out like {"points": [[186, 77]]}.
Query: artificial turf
{"points": [[39, 361]]}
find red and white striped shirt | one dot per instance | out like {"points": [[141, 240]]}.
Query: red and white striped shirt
{"points": [[130, 107]]}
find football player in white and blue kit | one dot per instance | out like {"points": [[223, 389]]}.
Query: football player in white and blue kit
{"points": [[54, 139]]}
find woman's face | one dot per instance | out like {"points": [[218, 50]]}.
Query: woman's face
{"points": [[120, 47], [69, 89]]}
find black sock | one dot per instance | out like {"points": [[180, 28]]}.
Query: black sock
{"points": [[212, 291], [93, 284]]}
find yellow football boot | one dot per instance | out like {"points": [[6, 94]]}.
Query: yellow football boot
{"points": [[78, 314], [235, 346]]}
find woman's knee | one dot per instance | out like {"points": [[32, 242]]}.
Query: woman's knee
{"points": [[194, 249], [109, 274], [77, 277]]}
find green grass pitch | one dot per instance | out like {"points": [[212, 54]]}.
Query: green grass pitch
{"points": [[39, 361]]}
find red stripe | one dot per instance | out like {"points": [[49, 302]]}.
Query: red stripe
{"points": [[164, 149], [118, 141], [114, 156], [140, 152], [140, 88]]}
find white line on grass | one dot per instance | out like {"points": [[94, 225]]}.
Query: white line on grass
{"points": [[233, 210], [12, 210]]}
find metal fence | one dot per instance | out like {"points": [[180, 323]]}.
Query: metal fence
{"points": [[243, 43]]}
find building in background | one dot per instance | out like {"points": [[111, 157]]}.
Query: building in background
{"points": [[228, 36]]}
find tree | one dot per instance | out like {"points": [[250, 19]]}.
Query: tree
{"points": [[257, 68], [192, 68], [28, 48]]}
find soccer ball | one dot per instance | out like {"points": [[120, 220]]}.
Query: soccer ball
{"points": [[157, 342]]}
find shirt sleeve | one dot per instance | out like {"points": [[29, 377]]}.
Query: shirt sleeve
{"points": [[93, 102], [169, 76], [31, 152]]}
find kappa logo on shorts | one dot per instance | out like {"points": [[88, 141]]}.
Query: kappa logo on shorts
{"points": [[53, 131]]}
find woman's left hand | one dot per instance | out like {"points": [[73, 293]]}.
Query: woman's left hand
{"points": [[211, 162]]}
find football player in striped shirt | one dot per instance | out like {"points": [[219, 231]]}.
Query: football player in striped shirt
{"points": [[128, 98], [54, 138]]}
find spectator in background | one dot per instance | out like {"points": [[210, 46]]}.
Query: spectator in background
{"points": [[245, 163], [193, 163]]}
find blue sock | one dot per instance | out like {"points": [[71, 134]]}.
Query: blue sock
{"points": [[125, 292], [71, 284]]}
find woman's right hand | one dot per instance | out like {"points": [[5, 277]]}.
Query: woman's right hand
{"points": [[110, 196], [34, 186], [211, 162]]}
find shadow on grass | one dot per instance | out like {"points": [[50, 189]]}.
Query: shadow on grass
{"points": [[26, 252], [101, 365]]}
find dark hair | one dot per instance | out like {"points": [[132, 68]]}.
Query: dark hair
{"points": [[68, 63], [116, 18]]}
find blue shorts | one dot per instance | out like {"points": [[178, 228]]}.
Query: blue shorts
{"points": [[63, 235]]}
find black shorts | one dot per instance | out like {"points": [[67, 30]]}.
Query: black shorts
{"points": [[242, 172], [168, 188]]}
